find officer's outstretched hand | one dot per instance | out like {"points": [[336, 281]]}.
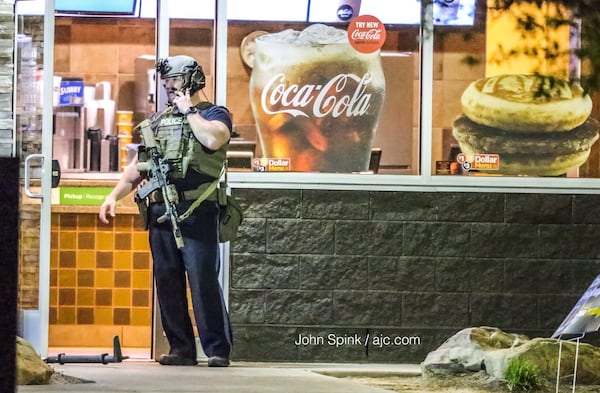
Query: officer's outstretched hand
{"points": [[107, 207]]}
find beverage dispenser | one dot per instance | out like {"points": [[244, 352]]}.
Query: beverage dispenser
{"points": [[69, 139], [102, 143]]}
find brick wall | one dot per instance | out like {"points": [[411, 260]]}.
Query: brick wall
{"points": [[336, 266]]}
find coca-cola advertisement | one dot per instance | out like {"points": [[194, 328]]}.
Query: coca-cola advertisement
{"points": [[316, 99]]}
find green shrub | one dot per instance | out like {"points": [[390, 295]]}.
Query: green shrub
{"points": [[521, 375]]}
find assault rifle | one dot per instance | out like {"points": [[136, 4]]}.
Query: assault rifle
{"points": [[151, 161]]}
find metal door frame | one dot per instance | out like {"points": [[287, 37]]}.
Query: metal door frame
{"points": [[35, 322]]}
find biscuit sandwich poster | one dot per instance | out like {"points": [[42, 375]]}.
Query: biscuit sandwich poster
{"points": [[524, 125]]}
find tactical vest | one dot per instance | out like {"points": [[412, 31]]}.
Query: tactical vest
{"points": [[181, 149]]}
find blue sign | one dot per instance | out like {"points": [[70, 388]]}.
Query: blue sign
{"points": [[71, 92]]}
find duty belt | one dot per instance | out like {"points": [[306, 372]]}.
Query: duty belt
{"points": [[156, 196]]}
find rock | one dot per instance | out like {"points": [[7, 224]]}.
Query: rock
{"points": [[468, 349], [490, 349], [31, 369]]}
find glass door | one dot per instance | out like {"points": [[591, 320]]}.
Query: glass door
{"points": [[33, 137], [176, 23]]}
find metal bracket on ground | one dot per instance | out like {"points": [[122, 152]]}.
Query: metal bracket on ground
{"points": [[103, 358]]}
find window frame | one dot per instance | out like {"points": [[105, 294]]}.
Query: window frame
{"points": [[424, 181]]}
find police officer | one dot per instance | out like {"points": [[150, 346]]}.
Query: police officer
{"points": [[193, 136]]}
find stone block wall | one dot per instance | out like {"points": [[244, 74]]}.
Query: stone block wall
{"points": [[7, 41], [359, 276]]}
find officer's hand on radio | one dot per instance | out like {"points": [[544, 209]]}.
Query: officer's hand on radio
{"points": [[183, 100]]}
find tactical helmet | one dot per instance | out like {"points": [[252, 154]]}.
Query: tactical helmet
{"points": [[187, 67]]}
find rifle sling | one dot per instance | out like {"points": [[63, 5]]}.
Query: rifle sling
{"points": [[207, 192]]}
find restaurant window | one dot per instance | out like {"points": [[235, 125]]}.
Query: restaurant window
{"points": [[394, 110], [325, 107], [504, 99]]}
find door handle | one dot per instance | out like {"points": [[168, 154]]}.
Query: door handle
{"points": [[55, 173], [27, 174]]}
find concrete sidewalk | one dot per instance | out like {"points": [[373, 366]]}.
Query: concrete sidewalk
{"points": [[148, 376]]}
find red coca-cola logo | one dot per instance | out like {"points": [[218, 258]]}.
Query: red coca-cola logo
{"points": [[317, 100], [369, 35], [366, 33]]}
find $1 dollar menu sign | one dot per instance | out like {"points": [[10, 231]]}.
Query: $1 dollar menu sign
{"points": [[366, 33]]}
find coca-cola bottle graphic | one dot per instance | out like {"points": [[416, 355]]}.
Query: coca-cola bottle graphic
{"points": [[315, 99]]}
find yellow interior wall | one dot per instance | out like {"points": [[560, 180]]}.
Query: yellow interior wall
{"points": [[502, 30]]}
